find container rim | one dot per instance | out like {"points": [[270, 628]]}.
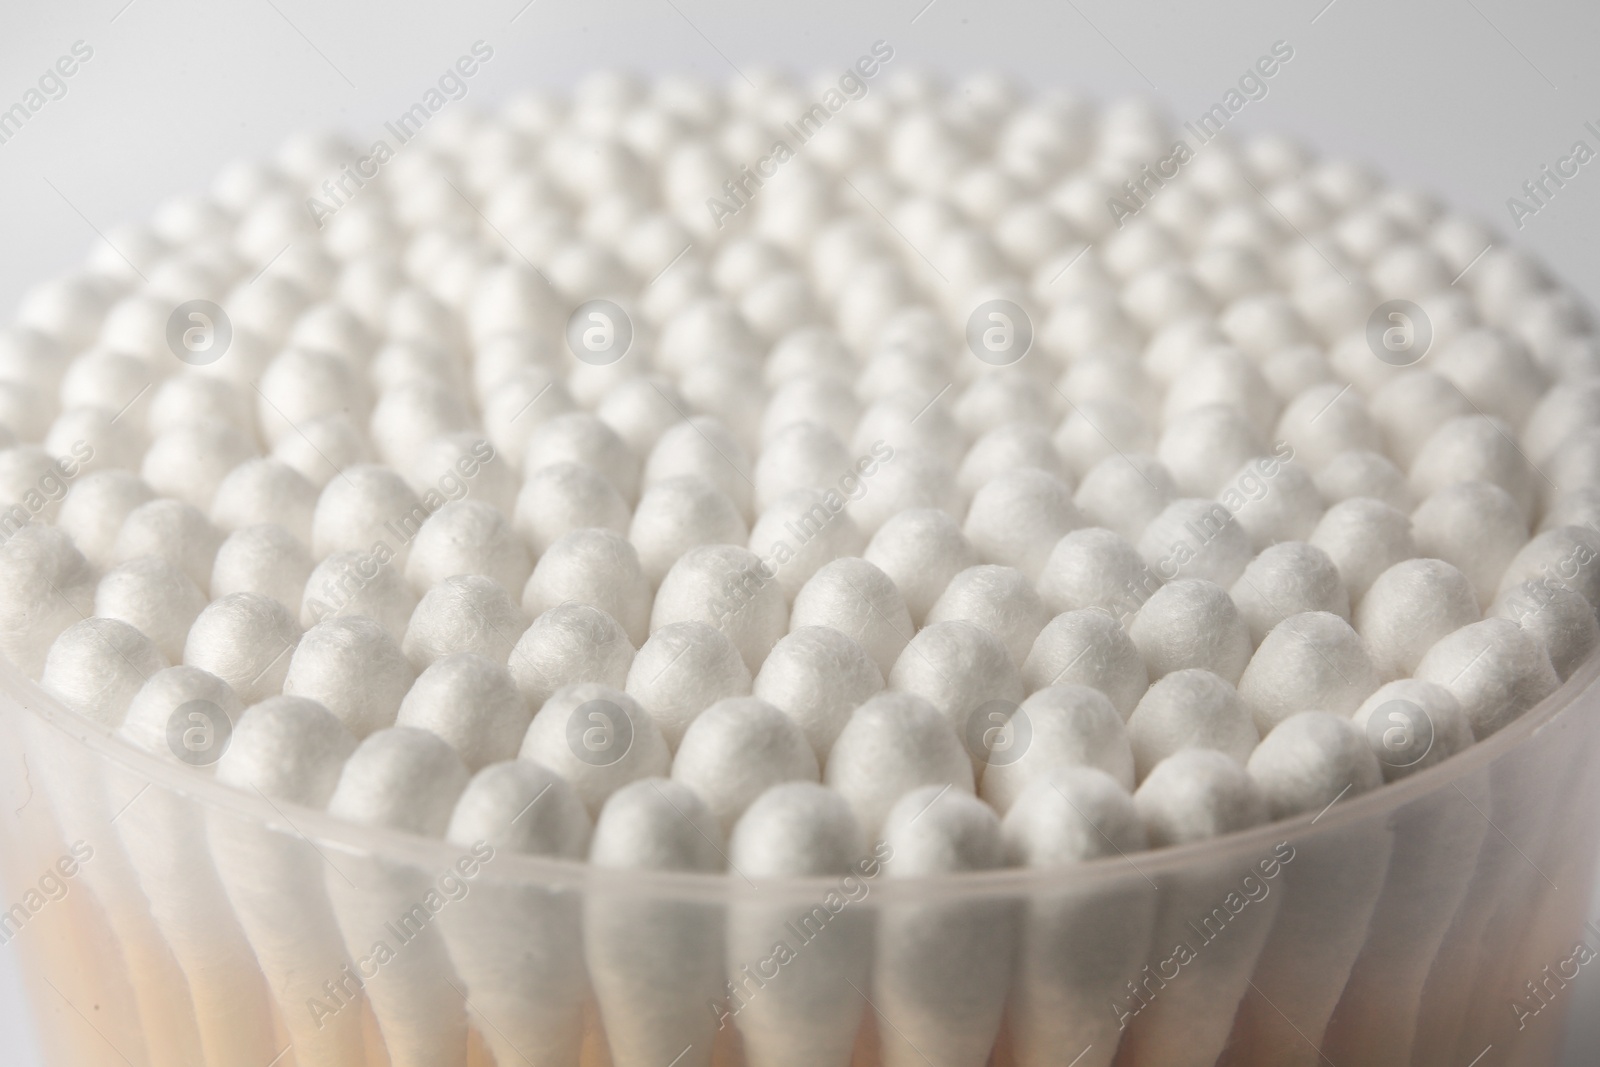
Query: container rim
{"points": [[327, 832]]}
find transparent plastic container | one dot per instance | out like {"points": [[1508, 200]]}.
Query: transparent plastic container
{"points": [[164, 920]]}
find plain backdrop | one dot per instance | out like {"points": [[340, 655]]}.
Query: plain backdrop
{"points": [[1467, 98]]}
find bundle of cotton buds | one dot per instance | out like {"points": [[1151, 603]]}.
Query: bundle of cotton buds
{"points": [[796, 452]]}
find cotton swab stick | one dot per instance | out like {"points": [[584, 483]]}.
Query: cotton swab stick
{"points": [[942, 970], [186, 714], [517, 947], [403, 779], [1214, 918], [799, 972], [656, 964], [1306, 765], [290, 750], [1079, 950], [75, 782]]}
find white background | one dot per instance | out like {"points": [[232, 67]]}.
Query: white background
{"points": [[1467, 98]]}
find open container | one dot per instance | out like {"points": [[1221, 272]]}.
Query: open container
{"points": [[166, 920]]}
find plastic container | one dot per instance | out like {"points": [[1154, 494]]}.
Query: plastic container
{"points": [[166, 921]]}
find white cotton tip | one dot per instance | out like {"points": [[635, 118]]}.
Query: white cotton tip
{"points": [[402, 779], [1495, 668], [153, 596], [818, 677], [100, 379], [1223, 375], [322, 448], [1475, 448], [1203, 446], [1009, 448], [467, 537], [262, 491], [704, 446], [1286, 579], [1474, 526], [1566, 557], [597, 738], [1411, 606], [289, 749], [1069, 815], [1194, 538], [1125, 493], [353, 667], [188, 463], [656, 824], [366, 504], [1196, 795], [95, 508], [934, 831], [247, 640], [569, 644], [1494, 372], [679, 514], [1326, 420], [961, 669], [471, 702], [97, 665], [1411, 725], [45, 586], [903, 419], [906, 479], [466, 613], [1001, 600], [1356, 473], [187, 399], [1191, 623], [1311, 760], [797, 830], [1016, 519], [1088, 647], [819, 397], [1579, 507], [802, 532], [1559, 619], [921, 550], [738, 748], [410, 415], [641, 409], [1095, 430], [579, 437], [854, 597], [265, 559], [524, 808], [1312, 661], [729, 588], [461, 465], [1061, 726], [357, 583], [173, 530], [802, 455], [683, 669], [159, 721], [1411, 407], [894, 743], [564, 497], [596, 567], [88, 434], [1364, 537], [1273, 500], [1095, 568], [1188, 710], [301, 385]]}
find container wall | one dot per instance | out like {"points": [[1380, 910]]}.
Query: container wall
{"points": [[1422, 925]]}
